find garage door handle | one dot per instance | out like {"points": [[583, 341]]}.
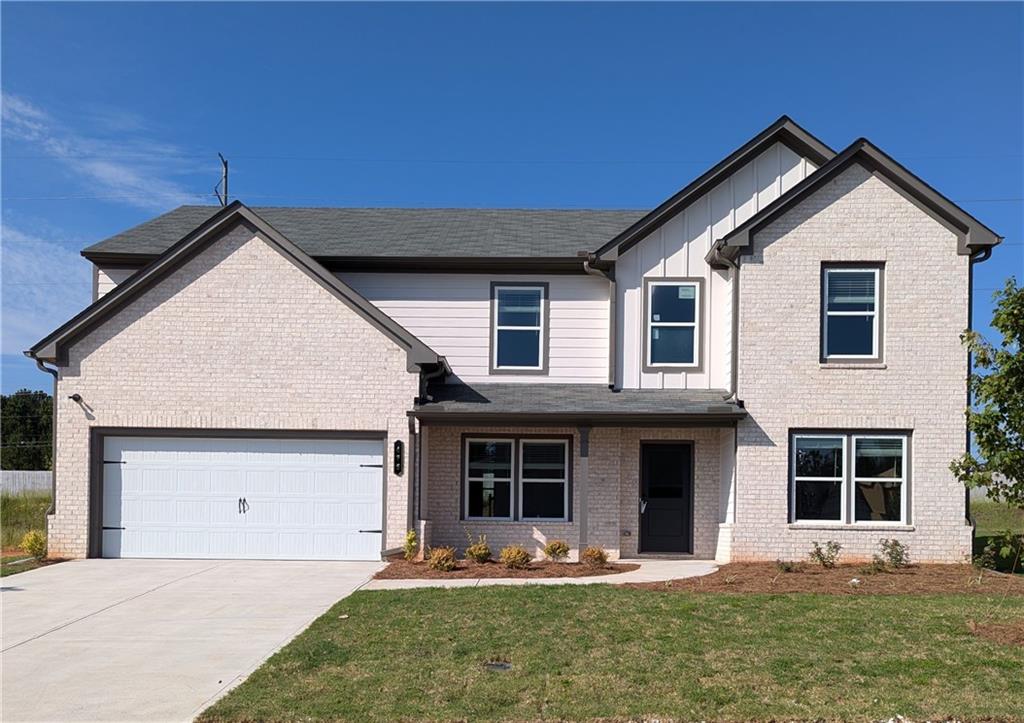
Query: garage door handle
{"points": [[376, 531], [379, 466]]}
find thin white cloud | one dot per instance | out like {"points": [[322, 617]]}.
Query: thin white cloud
{"points": [[134, 170], [43, 283]]}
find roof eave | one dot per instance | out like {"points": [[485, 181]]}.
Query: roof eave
{"points": [[602, 419]]}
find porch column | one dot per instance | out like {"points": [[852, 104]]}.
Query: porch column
{"points": [[582, 483]]}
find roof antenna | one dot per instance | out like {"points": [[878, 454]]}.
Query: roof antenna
{"points": [[223, 182]]}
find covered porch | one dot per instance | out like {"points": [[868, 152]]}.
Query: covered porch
{"points": [[635, 472]]}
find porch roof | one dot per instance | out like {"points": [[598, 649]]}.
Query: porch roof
{"points": [[575, 404]]}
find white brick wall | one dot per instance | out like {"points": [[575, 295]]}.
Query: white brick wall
{"points": [[857, 217], [240, 338], [613, 490]]}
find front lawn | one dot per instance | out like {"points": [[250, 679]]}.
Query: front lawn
{"points": [[600, 651]]}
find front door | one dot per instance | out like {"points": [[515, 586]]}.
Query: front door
{"points": [[666, 497]]}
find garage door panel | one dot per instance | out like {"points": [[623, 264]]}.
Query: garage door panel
{"points": [[179, 497]]}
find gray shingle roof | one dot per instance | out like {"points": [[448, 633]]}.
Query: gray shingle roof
{"points": [[579, 403], [399, 232]]}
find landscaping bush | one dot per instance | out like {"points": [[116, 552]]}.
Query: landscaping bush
{"points": [[21, 512], [34, 544], [894, 555], [515, 557], [594, 556], [1002, 552], [478, 551], [411, 545], [827, 556], [556, 550], [441, 558]]}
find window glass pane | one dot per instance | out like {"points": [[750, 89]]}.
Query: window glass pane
{"points": [[519, 307], [489, 498], [819, 456], [672, 345], [851, 290], [671, 302], [543, 460], [518, 348], [543, 499], [879, 458], [494, 458], [877, 501], [850, 335], [818, 500]]}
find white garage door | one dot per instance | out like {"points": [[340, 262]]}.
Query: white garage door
{"points": [[279, 499]]}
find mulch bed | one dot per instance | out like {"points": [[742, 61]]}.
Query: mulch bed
{"points": [[765, 577], [401, 569]]}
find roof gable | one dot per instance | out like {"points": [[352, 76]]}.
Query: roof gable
{"points": [[972, 235], [54, 346], [784, 130]]}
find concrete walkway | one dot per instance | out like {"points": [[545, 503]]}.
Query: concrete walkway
{"points": [[649, 571], [152, 640]]}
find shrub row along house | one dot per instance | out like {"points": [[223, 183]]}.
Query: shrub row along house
{"points": [[769, 357]]}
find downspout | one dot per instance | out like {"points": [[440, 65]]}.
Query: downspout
{"points": [[975, 258], [734, 367], [590, 266], [53, 434]]}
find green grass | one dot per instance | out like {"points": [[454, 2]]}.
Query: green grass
{"points": [[21, 512], [993, 518], [6, 568], [583, 652]]}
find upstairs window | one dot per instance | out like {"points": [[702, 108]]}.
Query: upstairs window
{"points": [[852, 318], [672, 312], [518, 334]]}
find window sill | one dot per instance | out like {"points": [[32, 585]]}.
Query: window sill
{"points": [[852, 365], [863, 526]]}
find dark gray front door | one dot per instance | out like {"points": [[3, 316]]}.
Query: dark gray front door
{"points": [[666, 497]]}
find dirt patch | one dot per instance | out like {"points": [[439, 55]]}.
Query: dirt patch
{"points": [[399, 569], [765, 577], [1002, 633]]}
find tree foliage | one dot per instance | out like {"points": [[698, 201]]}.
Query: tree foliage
{"points": [[27, 420], [997, 419]]}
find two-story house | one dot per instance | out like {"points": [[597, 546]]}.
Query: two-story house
{"points": [[769, 357]]}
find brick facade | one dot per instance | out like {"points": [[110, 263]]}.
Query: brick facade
{"points": [[239, 338], [919, 386], [612, 490]]}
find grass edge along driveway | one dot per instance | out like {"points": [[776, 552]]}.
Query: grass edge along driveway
{"points": [[583, 652]]}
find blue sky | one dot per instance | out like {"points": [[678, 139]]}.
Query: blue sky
{"points": [[114, 113]]}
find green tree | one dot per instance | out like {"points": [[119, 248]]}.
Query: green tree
{"points": [[27, 430], [997, 388]]}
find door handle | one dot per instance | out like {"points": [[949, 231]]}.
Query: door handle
{"points": [[643, 505], [245, 505], [239, 505]]}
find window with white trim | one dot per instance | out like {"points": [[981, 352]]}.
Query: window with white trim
{"points": [[518, 341], [673, 323], [543, 479], [849, 478], [851, 327], [488, 489]]}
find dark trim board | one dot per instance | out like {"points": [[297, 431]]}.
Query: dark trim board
{"points": [[440, 419], [98, 435]]}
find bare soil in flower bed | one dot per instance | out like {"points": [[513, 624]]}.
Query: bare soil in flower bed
{"points": [[1002, 633], [401, 569], [766, 577]]}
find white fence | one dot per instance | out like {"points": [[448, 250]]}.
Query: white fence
{"points": [[20, 480]]}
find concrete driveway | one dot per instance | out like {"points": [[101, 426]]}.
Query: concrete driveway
{"points": [[156, 640]]}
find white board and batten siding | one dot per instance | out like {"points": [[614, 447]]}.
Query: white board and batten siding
{"points": [[451, 313], [106, 279], [677, 249]]}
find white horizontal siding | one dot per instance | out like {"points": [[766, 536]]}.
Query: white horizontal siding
{"points": [[678, 249], [451, 314], [106, 279]]}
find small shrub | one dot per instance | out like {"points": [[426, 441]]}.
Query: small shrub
{"points": [[411, 545], [441, 558], [34, 544], [515, 557], [556, 550], [827, 556], [478, 551], [895, 554], [594, 556], [1002, 552], [789, 566], [874, 567]]}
